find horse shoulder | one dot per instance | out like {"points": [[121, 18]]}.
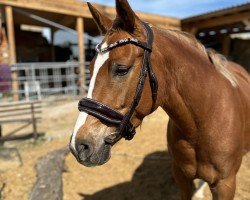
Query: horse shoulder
{"points": [[181, 150]]}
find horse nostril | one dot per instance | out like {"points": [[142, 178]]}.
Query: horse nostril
{"points": [[84, 150], [83, 147]]}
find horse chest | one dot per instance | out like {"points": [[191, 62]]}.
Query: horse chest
{"points": [[186, 158], [183, 155]]}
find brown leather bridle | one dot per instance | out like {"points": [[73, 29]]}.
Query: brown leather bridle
{"points": [[111, 116]]}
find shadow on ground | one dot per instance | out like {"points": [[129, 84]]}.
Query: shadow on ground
{"points": [[152, 180]]}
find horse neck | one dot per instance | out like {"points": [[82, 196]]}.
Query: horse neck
{"points": [[184, 72]]}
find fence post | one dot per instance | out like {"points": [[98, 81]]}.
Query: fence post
{"points": [[12, 49], [0, 131], [33, 121], [81, 52]]}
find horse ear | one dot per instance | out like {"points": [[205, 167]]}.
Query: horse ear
{"points": [[103, 23], [126, 17]]}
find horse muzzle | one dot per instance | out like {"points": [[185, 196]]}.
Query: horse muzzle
{"points": [[90, 155]]}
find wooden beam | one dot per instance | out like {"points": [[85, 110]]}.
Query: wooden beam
{"points": [[162, 21], [217, 14], [19, 137], [12, 49], [214, 22], [67, 20], [81, 51], [61, 7], [80, 9]]}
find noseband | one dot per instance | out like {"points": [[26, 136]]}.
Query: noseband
{"points": [[111, 116]]}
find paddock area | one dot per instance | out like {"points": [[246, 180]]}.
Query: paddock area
{"points": [[139, 169]]}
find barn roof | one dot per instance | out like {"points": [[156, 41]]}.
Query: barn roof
{"points": [[220, 12], [65, 11], [235, 16]]}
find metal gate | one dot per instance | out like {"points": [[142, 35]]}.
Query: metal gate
{"points": [[40, 80]]}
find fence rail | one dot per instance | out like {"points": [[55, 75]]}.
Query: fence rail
{"points": [[40, 80]]}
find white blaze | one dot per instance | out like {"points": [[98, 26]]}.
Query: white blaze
{"points": [[100, 60]]}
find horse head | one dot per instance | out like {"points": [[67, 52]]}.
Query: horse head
{"points": [[122, 89]]}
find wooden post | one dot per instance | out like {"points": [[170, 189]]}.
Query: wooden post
{"points": [[0, 130], [12, 49], [1, 142], [81, 53], [226, 42], [52, 35], [33, 121]]}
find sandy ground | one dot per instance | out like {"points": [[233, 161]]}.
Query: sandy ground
{"points": [[139, 169]]}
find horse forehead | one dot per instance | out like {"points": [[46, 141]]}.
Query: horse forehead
{"points": [[121, 52], [101, 58], [98, 63]]}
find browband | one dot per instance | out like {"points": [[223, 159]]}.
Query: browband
{"points": [[123, 42]]}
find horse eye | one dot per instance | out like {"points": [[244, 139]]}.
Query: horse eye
{"points": [[121, 70]]}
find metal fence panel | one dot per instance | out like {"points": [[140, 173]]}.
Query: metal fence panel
{"points": [[52, 78]]}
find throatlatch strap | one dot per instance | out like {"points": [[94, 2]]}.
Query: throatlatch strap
{"points": [[152, 76]]}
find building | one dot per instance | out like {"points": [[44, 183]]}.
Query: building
{"points": [[28, 51], [70, 15], [226, 30]]}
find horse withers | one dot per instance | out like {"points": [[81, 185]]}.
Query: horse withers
{"points": [[139, 67]]}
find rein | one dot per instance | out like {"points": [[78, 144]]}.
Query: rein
{"points": [[111, 116]]}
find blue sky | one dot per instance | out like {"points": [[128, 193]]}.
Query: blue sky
{"points": [[176, 8]]}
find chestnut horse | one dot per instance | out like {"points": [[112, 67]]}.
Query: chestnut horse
{"points": [[206, 97]]}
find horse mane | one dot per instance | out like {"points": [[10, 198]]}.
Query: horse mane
{"points": [[221, 64], [219, 61], [188, 38]]}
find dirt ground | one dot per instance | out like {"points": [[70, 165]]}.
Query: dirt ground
{"points": [[139, 169]]}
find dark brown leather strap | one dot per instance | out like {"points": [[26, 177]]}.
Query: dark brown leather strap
{"points": [[152, 76], [99, 110], [107, 114]]}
